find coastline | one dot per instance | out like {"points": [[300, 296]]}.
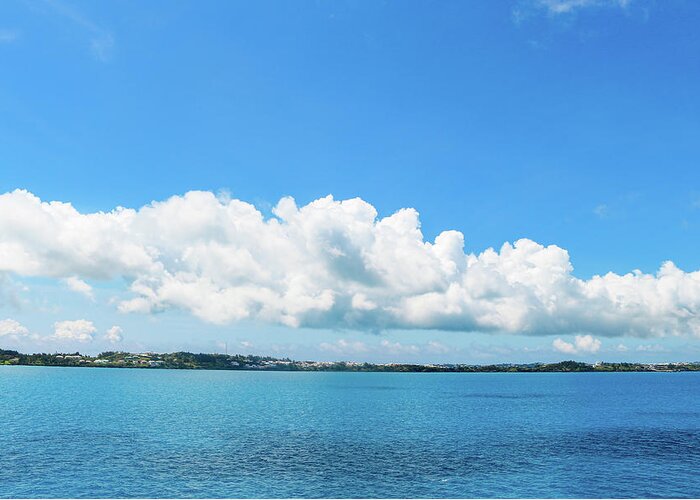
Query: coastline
{"points": [[238, 362]]}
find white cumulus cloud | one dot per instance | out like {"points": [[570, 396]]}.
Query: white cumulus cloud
{"points": [[12, 328], [563, 346], [79, 286], [583, 344], [114, 334], [333, 264], [80, 330]]}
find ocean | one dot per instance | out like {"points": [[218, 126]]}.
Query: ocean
{"points": [[92, 432]]}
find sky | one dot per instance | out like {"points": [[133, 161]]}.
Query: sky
{"points": [[412, 181]]}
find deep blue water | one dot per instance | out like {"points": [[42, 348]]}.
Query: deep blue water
{"points": [[89, 432]]}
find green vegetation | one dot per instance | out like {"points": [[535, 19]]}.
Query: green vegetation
{"points": [[190, 361]]}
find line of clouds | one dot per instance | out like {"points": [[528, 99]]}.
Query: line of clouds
{"points": [[79, 330], [332, 264], [84, 332], [346, 348]]}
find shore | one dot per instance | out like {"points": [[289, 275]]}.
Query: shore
{"points": [[203, 361]]}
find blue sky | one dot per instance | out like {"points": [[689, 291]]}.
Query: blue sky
{"points": [[571, 123]]}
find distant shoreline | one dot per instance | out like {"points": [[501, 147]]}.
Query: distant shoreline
{"points": [[239, 362]]}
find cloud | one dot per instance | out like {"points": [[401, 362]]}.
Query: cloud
{"points": [[9, 36], [79, 286], [399, 348], [102, 47], [114, 334], [558, 7], [651, 348], [564, 10], [583, 344], [586, 343], [79, 330], [601, 210], [436, 347], [563, 346], [333, 264], [342, 346], [13, 329], [348, 348], [102, 42], [8, 291]]}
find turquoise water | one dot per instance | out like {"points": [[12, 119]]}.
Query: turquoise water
{"points": [[88, 432]]}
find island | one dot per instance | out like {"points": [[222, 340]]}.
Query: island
{"points": [[204, 361]]}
